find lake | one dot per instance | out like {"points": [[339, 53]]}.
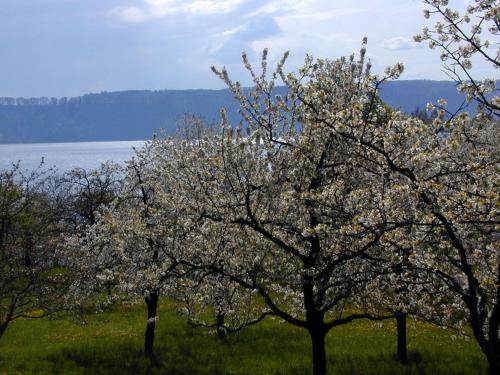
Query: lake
{"points": [[65, 156]]}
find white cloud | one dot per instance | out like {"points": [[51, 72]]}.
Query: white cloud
{"points": [[215, 32], [130, 14], [275, 6], [212, 6], [317, 9], [232, 31], [399, 43], [151, 9], [319, 27]]}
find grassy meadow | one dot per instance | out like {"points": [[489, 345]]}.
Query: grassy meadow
{"points": [[111, 343]]}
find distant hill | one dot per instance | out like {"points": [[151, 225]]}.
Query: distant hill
{"points": [[135, 115]]}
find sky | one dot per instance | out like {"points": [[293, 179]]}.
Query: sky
{"points": [[60, 48]]}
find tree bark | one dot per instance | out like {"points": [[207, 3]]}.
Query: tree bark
{"points": [[3, 328], [219, 325], [7, 319], [402, 349], [493, 356], [318, 352], [28, 251], [152, 305]]}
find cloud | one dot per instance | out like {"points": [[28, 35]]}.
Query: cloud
{"points": [[316, 9], [227, 45], [211, 6], [276, 6], [232, 31], [130, 14], [399, 43], [157, 9], [317, 27]]}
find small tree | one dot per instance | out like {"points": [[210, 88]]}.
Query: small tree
{"points": [[30, 284], [81, 193], [214, 301], [135, 244]]}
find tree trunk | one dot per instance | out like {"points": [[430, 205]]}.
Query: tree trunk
{"points": [[219, 325], [7, 319], [3, 328], [318, 352], [402, 351], [152, 304], [493, 357], [28, 247]]}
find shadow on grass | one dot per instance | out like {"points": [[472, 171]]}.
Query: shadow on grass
{"points": [[118, 359], [112, 342], [124, 359], [188, 352], [413, 357], [266, 349]]}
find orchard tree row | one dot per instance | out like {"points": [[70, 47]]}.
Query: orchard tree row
{"points": [[321, 207]]}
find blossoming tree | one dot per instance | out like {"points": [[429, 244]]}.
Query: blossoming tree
{"points": [[444, 187], [464, 39], [135, 245], [292, 191]]}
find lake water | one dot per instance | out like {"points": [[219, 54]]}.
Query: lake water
{"points": [[65, 156]]}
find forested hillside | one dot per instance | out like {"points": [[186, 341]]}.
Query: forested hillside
{"points": [[134, 115]]}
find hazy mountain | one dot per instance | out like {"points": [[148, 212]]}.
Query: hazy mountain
{"points": [[134, 115]]}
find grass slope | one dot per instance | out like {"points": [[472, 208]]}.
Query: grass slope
{"points": [[111, 343]]}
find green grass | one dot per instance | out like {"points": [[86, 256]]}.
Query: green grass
{"points": [[111, 343]]}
